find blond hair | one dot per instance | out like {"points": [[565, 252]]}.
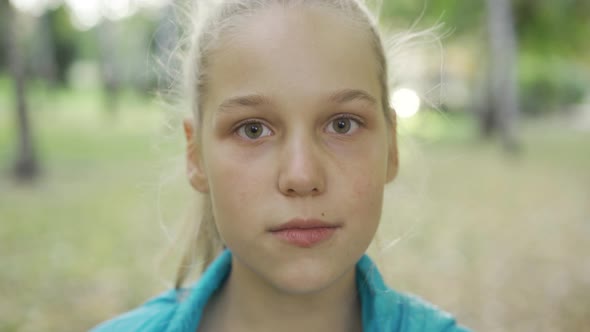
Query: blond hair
{"points": [[212, 19]]}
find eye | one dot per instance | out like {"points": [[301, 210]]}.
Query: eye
{"points": [[343, 125], [253, 130]]}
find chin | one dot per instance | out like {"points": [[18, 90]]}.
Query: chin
{"points": [[299, 271], [306, 277]]}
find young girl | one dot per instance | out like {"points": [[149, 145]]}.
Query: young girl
{"points": [[292, 142]]}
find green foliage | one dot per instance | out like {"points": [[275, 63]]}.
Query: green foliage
{"points": [[458, 15], [553, 39], [554, 49], [66, 40], [548, 83], [553, 27]]}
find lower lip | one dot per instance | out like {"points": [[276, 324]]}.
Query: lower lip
{"points": [[305, 238]]}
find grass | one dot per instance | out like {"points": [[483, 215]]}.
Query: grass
{"points": [[500, 241]]}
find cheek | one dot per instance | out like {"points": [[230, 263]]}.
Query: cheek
{"points": [[368, 195], [236, 181], [362, 211], [367, 176]]}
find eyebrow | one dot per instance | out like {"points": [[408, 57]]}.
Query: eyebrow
{"points": [[348, 95], [255, 100]]}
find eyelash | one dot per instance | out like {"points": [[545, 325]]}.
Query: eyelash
{"points": [[357, 120]]}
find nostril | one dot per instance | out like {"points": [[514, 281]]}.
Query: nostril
{"points": [[302, 192]]}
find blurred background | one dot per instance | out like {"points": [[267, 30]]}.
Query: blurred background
{"points": [[489, 217]]}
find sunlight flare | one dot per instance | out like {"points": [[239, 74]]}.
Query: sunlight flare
{"points": [[405, 102]]}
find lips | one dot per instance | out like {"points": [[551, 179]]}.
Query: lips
{"points": [[305, 233]]}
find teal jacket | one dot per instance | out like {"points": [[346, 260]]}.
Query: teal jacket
{"points": [[383, 309]]}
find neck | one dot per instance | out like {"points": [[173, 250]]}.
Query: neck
{"points": [[248, 303]]}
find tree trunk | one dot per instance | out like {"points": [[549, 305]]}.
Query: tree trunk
{"points": [[503, 89], [108, 65], [44, 50], [26, 167]]}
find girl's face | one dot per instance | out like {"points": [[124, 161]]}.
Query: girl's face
{"points": [[293, 130]]}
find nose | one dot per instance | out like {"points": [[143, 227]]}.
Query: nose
{"points": [[301, 172]]}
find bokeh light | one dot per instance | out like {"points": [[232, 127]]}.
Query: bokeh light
{"points": [[405, 102]]}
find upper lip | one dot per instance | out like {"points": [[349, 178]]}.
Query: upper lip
{"points": [[302, 223]]}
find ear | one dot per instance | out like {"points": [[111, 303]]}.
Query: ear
{"points": [[194, 161], [392, 153]]}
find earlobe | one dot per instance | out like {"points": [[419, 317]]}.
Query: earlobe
{"points": [[194, 163], [392, 164]]}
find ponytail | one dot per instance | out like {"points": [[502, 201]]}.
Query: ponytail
{"points": [[204, 244]]}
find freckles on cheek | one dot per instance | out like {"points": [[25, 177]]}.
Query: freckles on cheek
{"points": [[236, 180], [365, 190], [227, 183], [368, 193]]}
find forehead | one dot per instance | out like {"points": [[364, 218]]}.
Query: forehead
{"points": [[293, 55]]}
